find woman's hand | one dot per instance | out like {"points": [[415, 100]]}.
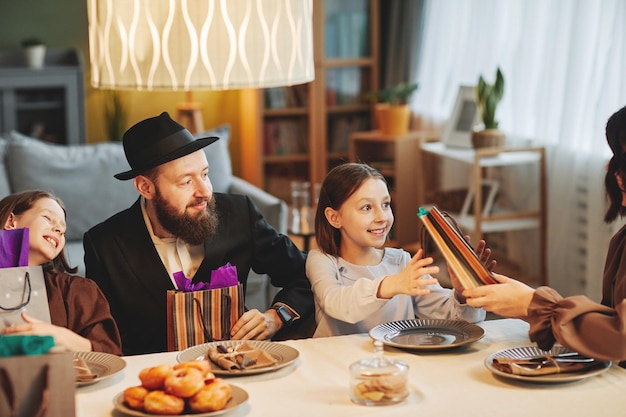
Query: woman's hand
{"points": [[63, 337], [508, 298], [411, 280]]}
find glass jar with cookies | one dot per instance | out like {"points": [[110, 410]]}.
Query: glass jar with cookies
{"points": [[378, 380]]}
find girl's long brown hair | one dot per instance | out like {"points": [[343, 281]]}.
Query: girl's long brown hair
{"points": [[340, 183]]}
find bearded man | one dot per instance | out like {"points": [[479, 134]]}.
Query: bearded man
{"points": [[179, 225]]}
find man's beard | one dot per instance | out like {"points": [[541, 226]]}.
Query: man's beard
{"points": [[192, 229]]}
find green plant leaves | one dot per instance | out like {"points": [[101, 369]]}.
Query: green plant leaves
{"points": [[488, 96], [398, 94]]}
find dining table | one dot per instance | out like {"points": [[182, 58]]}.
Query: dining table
{"points": [[441, 382]]}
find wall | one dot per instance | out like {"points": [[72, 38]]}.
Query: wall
{"points": [[63, 24]]}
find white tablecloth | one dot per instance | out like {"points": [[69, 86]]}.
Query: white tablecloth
{"points": [[451, 382]]}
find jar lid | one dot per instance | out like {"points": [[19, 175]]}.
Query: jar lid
{"points": [[378, 364]]}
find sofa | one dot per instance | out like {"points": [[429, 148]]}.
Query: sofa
{"points": [[82, 176]]}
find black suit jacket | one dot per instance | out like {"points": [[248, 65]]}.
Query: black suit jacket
{"points": [[121, 258]]}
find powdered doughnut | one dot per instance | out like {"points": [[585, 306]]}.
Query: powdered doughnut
{"points": [[154, 377], [212, 397], [184, 382], [159, 402], [202, 365], [134, 396]]}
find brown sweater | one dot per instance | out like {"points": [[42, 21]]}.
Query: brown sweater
{"points": [[78, 304], [580, 324]]}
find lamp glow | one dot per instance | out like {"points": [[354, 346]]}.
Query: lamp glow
{"points": [[185, 45]]}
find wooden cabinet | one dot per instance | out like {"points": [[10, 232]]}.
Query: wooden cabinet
{"points": [[397, 159], [304, 129], [47, 103], [480, 214]]}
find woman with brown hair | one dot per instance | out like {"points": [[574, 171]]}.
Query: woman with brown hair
{"points": [[592, 329]]}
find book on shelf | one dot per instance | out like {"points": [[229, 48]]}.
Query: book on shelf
{"points": [[301, 92], [274, 98], [359, 22], [283, 97], [340, 129], [285, 137], [331, 88], [458, 253], [330, 37], [346, 34], [344, 86]]}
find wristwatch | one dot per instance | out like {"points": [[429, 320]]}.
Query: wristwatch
{"points": [[284, 314]]}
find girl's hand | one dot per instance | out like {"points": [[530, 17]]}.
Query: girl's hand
{"points": [[412, 280], [62, 336], [483, 253]]}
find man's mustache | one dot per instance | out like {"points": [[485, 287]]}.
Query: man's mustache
{"points": [[200, 201]]}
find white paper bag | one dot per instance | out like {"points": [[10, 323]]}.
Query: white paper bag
{"points": [[22, 289]]}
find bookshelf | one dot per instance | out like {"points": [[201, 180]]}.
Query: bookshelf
{"points": [[304, 130]]}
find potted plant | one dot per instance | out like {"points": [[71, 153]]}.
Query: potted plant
{"points": [[392, 111], [115, 116], [34, 52], [487, 97]]}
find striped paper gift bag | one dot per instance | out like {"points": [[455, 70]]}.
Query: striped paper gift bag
{"points": [[202, 316]]}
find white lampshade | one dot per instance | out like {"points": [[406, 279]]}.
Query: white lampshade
{"points": [[200, 44]]}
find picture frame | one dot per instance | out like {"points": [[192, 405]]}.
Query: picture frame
{"points": [[458, 130], [489, 193]]}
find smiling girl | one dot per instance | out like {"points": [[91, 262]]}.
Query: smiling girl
{"points": [[80, 315], [358, 283]]}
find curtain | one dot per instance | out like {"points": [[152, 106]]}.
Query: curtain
{"points": [[563, 62], [401, 24]]}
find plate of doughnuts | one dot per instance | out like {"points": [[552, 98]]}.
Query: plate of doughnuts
{"points": [[188, 388], [239, 396], [282, 354]]}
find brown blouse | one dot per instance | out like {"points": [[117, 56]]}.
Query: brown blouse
{"points": [[78, 304], [580, 324]]}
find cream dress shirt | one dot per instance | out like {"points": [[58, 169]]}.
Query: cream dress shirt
{"points": [[176, 254]]}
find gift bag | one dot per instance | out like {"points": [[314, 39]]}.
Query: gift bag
{"points": [[14, 247], [22, 289], [198, 317], [37, 386]]}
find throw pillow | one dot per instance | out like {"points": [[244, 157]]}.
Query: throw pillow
{"points": [[80, 175], [220, 167]]}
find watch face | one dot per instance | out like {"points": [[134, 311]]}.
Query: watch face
{"points": [[283, 313]]}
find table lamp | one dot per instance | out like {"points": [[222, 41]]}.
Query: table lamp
{"points": [[187, 45]]}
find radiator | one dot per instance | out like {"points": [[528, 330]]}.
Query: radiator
{"points": [[579, 241]]}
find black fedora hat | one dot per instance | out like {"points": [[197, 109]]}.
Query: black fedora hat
{"points": [[155, 141]]}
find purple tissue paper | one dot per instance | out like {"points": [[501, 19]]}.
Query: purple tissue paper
{"points": [[14, 247], [224, 276]]}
